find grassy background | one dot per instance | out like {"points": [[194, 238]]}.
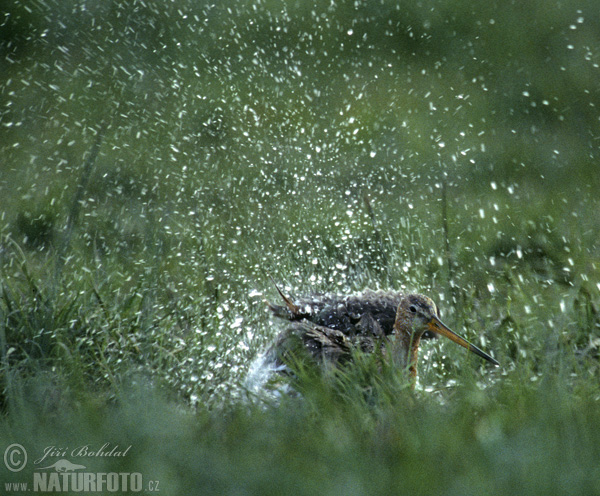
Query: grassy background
{"points": [[158, 159]]}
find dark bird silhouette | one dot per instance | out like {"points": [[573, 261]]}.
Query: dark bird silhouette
{"points": [[330, 327]]}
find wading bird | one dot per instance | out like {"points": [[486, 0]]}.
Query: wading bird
{"points": [[330, 327]]}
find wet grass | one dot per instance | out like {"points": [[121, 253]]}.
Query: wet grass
{"points": [[83, 364], [512, 436], [144, 338]]}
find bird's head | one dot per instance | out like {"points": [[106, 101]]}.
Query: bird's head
{"points": [[418, 313]]}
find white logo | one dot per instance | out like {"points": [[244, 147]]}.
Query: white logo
{"points": [[63, 465], [15, 457]]}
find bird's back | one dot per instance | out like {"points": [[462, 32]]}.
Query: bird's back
{"points": [[367, 313]]}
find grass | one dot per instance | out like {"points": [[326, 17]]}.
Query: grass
{"points": [[145, 366], [514, 435], [426, 150]]}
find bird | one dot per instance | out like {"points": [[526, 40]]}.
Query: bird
{"points": [[332, 327]]}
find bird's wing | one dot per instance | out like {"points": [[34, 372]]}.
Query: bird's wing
{"points": [[341, 312], [370, 313], [325, 343], [321, 343]]}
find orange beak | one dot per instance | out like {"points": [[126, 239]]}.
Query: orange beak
{"points": [[437, 326]]}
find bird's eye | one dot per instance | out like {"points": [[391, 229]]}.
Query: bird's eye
{"points": [[413, 309]]}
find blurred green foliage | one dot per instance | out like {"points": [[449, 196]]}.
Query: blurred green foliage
{"points": [[446, 147]]}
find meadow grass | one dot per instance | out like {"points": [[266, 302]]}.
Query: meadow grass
{"points": [[159, 163], [513, 435], [83, 365]]}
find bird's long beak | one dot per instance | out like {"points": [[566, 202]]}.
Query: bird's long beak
{"points": [[437, 326]]}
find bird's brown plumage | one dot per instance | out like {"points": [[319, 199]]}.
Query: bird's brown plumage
{"points": [[366, 313], [330, 327]]}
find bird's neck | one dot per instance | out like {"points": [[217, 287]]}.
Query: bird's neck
{"points": [[408, 350]]}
